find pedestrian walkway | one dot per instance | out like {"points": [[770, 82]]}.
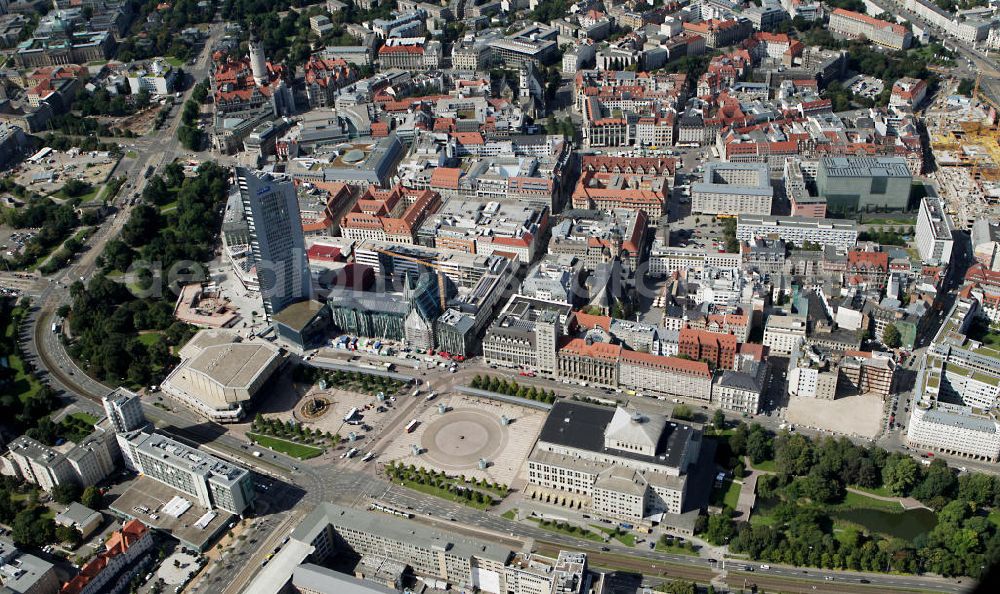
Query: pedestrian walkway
{"points": [[908, 503], [748, 496]]}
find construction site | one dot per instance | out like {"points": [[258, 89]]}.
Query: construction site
{"points": [[965, 141]]}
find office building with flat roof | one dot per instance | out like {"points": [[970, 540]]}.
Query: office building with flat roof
{"points": [[840, 233], [852, 184], [958, 392], [21, 573], [526, 334], [733, 188], [213, 482], [276, 239], [388, 545], [462, 562], [933, 233]]}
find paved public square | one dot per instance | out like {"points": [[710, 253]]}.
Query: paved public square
{"points": [[471, 429], [851, 415]]}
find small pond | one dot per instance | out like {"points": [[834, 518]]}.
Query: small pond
{"points": [[905, 524]]}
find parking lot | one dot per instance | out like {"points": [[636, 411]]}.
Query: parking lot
{"points": [[48, 175]]}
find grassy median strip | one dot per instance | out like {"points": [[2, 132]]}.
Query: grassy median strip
{"points": [[442, 492], [290, 448], [567, 529]]}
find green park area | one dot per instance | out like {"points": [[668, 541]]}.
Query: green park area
{"points": [[295, 450], [806, 516]]}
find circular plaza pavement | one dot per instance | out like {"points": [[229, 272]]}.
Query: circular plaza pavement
{"points": [[459, 438]]}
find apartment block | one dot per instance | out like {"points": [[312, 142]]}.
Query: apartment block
{"points": [[741, 391], [670, 376], [125, 554], [811, 374], [39, 464], [719, 350], [392, 215], [842, 233]]}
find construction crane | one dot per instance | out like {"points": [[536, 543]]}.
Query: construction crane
{"points": [[437, 268]]}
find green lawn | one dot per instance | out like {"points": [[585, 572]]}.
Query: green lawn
{"points": [[674, 549], [84, 417], [88, 197], [169, 206], [766, 466], [880, 491], [174, 61], [727, 495], [626, 538], [855, 501], [25, 386], [131, 154], [571, 531], [150, 338], [295, 450], [443, 493], [510, 514]]}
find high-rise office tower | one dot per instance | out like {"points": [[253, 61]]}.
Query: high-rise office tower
{"points": [[276, 239]]}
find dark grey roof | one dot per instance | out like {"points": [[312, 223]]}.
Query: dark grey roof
{"points": [[581, 426], [739, 380]]}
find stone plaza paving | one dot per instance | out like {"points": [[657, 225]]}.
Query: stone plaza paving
{"points": [[470, 430]]}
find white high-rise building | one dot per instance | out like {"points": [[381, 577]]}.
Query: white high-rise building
{"points": [[934, 241], [124, 410], [276, 240]]}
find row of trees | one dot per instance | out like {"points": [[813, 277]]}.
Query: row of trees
{"points": [[192, 137], [357, 381], [439, 480], [293, 431], [512, 388]]}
